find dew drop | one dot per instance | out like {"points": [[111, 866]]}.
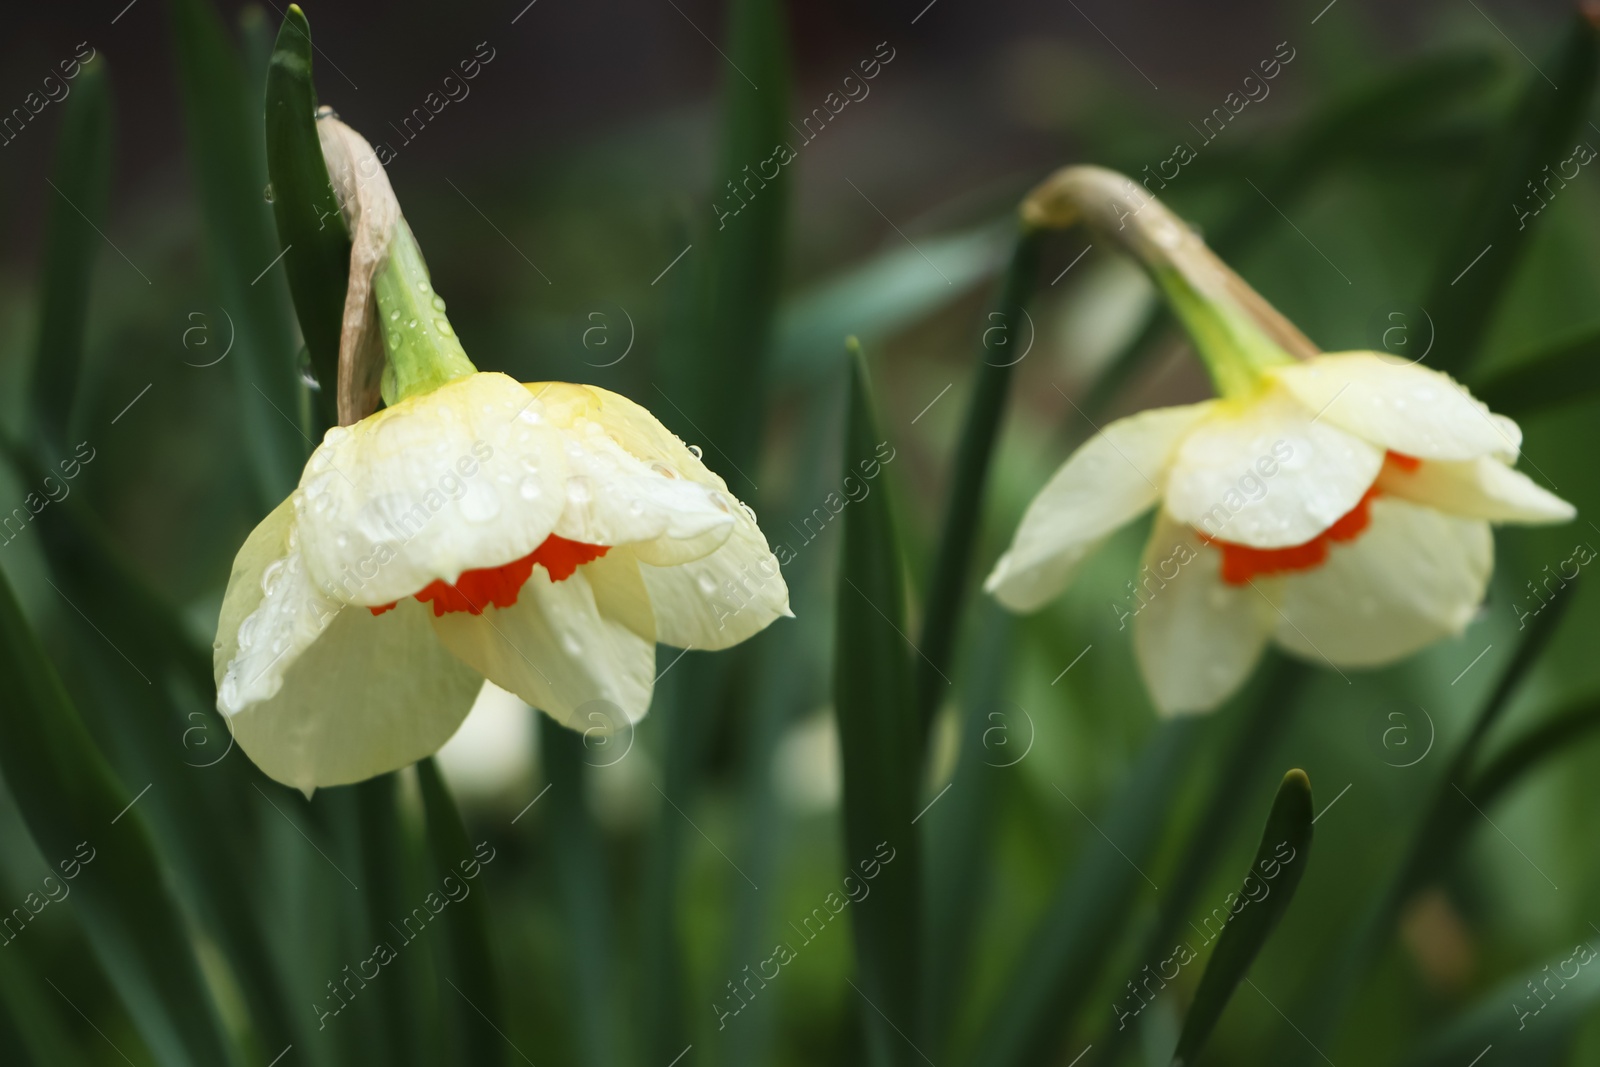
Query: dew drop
{"points": [[438, 302], [272, 577], [443, 326], [394, 315], [578, 491], [267, 193], [412, 325], [570, 643], [529, 489], [696, 451], [663, 470], [707, 586]]}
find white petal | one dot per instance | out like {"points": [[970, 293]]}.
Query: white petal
{"points": [[1267, 473], [614, 498], [722, 599], [1413, 576], [1196, 638], [1400, 406], [636, 483], [1111, 478], [564, 646], [371, 695], [1482, 488], [470, 475], [271, 613]]}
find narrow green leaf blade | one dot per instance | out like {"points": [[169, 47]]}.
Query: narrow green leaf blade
{"points": [[1478, 263], [1071, 941], [75, 809], [225, 138], [999, 352], [304, 205], [880, 744], [81, 183], [469, 955], [1288, 826], [585, 891]]}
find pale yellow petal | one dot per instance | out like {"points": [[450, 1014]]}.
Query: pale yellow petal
{"points": [[1110, 480], [1414, 575], [1196, 638], [561, 648], [372, 694], [1268, 473], [1482, 488], [1400, 406]]}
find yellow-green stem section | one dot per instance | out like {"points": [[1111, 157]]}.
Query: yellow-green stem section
{"points": [[1234, 350], [419, 343]]}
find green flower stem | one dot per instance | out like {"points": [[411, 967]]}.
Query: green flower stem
{"points": [[1237, 334], [423, 352]]}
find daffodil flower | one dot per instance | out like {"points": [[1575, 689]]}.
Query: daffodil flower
{"points": [[543, 536], [1338, 506]]}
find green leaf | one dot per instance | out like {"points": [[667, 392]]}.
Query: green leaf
{"points": [[998, 353], [304, 205], [225, 140], [1247, 929], [713, 375], [1478, 262], [75, 809], [1562, 373], [880, 746], [881, 295], [1085, 916], [717, 378], [586, 898], [81, 183], [1252, 740], [477, 1012], [960, 837]]}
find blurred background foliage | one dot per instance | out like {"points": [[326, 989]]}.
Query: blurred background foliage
{"points": [[550, 202]]}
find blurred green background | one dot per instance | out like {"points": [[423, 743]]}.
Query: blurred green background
{"points": [[551, 201]]}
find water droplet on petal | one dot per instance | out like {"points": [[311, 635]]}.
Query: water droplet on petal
{"points": [[696, 451], [272, 577], [570, 643], [578, 491], [529, 489], [267, 194], [443, 326]]}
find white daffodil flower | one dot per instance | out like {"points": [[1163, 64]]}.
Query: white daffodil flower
{"points": [[1338, 506], [542, 536]]}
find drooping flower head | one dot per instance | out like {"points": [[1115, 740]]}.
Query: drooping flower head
{"points": [[544, 536], [1337, 505]]}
